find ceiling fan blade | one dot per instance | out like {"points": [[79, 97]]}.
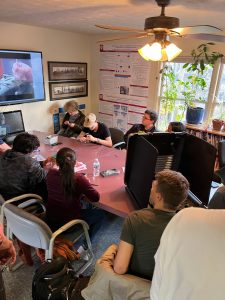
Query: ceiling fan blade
{"points": [[119, 28], [208, 37], [124, 37], [196, 30]]}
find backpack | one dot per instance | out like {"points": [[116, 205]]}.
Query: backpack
{"points": [[54, 280]]}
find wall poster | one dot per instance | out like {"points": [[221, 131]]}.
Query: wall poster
{"points": [[124, 85]]}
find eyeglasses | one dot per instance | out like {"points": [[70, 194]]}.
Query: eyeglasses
{"points": [[146, 118]]}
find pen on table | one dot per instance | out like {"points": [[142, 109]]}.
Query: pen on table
{"points": [[94, 184]]}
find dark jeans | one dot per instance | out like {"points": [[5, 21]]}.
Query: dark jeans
{"points": [[94, 217]]}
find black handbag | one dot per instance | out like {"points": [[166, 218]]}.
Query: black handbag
{"points": [[54, 280]]}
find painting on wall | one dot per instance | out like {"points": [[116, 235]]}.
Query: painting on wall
{"points": [[59, 71], [68, 89]]}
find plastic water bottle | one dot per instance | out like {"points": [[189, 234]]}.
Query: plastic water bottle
{"points": [[96, 167]]}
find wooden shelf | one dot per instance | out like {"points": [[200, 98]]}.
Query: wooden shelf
{"points": [[205, 129], [208, 134]]}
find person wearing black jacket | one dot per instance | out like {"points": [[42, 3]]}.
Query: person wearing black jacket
{"points": [[72, 123], [147, 126]]}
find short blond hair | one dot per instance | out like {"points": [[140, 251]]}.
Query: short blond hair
{"points": [[71, 105]]}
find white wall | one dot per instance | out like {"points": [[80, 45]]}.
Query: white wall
{"points": [[55, 46]]}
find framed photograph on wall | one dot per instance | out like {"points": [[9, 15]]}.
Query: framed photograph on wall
{"points": [[68, 89], [58, 71]]}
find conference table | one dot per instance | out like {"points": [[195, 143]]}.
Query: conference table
{"points": [[113, 196]]}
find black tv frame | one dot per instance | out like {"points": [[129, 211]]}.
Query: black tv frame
{"points": [[22, 101]]}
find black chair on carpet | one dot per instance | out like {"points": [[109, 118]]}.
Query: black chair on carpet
{"points": [[117, 136]]}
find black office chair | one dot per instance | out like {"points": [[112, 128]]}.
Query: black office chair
{"points": [[117, 136]]}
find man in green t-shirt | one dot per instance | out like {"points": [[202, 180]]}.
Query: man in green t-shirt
{"points": [[142, 229]]}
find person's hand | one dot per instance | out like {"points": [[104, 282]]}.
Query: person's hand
{"points": [[7, 252], [90, 138], [82, 139], [22, 71], [50, 162], [71, 125], [66, 122]]}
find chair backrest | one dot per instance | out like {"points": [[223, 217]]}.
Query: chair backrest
{"points": [[117, 135], [27, 228], [221, 153]]}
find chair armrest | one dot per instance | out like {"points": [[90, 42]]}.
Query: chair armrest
{"points": [[120, 145]]}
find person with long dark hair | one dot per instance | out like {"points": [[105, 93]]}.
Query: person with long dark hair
{"points": [[65, 190]]}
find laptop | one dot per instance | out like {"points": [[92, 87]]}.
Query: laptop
{"points": [[11, 124]]}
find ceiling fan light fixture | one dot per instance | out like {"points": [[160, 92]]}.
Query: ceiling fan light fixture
{"points": [[152, 52], [172, 51]]}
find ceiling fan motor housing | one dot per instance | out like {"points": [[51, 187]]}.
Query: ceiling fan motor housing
{"points": [[161, 22]]}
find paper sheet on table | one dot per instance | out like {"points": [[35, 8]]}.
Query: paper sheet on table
{"points": [[80, 166]]}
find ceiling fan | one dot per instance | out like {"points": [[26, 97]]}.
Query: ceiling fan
{"points": [[161, 28]]}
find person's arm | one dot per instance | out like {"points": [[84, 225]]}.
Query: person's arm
{"points": [[4, 147], [87, 189], [106, 142], [123, 256]]}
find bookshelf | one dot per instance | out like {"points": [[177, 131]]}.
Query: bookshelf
{"points": [[206, 133]]}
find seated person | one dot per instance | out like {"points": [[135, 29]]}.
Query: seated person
{"points": [[148, 124], [106, 284], [19, 172], [65, 190], [142, 229], [72, 123], [95, 132], [176, 127], [3, 146], [218, 199], [189, 263]]}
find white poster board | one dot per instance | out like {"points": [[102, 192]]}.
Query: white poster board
{"points": [[124, 86]]}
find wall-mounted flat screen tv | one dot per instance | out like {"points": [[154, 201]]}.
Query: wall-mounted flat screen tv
{"points": [[21, 77]]}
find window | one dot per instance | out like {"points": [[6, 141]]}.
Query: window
{"points": [[219, 103], [179, 89]]}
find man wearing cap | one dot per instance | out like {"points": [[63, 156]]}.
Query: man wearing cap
{"points": [[147, 125], [95, 132]]}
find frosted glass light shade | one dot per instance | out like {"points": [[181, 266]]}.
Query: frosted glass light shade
{"points": [[159, 51], [152, 52], [172, 51]]}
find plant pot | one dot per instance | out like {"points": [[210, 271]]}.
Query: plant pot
{"points": [[194, 115], [217, 124]]}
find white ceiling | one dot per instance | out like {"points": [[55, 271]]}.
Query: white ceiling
{"points": [[81, 15]]}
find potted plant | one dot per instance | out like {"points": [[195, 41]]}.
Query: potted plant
{"points": [[203, 60], [218, 122], [169, 95]]}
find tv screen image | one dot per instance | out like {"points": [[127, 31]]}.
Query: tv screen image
{"points": [[21, 77]]}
